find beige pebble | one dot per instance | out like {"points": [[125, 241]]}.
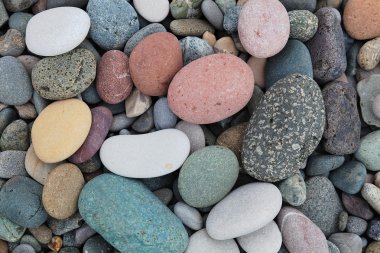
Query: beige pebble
{"points": [[26, 111], [209, 38], [258, 67], [61, 191], [42, 233], [137, 103], [371, 193], [232, 138], [226, 45], [369, 54]]}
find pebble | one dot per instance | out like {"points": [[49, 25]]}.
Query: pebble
{"points": [[3, 246], [299, 233], [303, 25], [39, 102], [152, 11], [18, 5], [189, 216], [299, 5], [112, 23], [121, 121], [294, 58], [182, 9], [42, 233], [347, 242], [138, 209], [190, 27], [201, 242], [332, 247], [350, 177], [60, 227], [357, 206], [258, 68], [212, 13], [371, 194], [156, 183], [26, 111], [209, 38], [15, 136], [137, 103], [56, 31], [63, 116], [369, 54], [91, 165], [263, 27], [194, 133], [194, 48], [101, 123], [361, 19], [83, 233], [69, 250], [163, 117], [12, 164], [3, 14], [322, 164], [61, 191], [262, 156], [231, 19], [244, 211], [90, 95], [23, 248], [167, 150], [266, 239], [329, 63], [21, 202], [227, 91], [12, 43], [96, 244], [19, 20], [293, 190], [343, 219], [322, 205], [232, 138], [39, 6], [356, 225], [10, 231], [15, 85], [59, 3], [154, 62], [368, 151], [113, 80], [226, 45], [164, 194], [28, 239], [145, 122], [368, 90], [342, 132]]}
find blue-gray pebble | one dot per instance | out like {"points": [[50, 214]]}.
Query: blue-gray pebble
{"points": [[90, 95], [145, 122], [97, 244], [350, 177], [113, 22], [321, 164], [7, 116], [24, 248], [231, 18], [15, 84], [19, 20], [163, 117], [59, 3], [294, 58], [194, 48], [28, 239], [10, 231], [140, 224], [213, 14]]}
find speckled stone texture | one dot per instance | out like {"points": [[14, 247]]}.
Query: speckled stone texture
{"points": [[327, 47], [140, 224], [303, 25], [285, 129], [342, 132], [10, 231], [299, 4]]}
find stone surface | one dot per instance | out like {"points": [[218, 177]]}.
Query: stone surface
{"points": [[137, 103], [320, 164], [42, 233], [15, 136], [266, 239], [53, 135], [57, 31], [163, 117], [347, 242], [154, 62], [3, 14], [258, 68], [15, 85], [201, 242], [293, 190], [138, 209], [232, 138], [121, 121], [329, 63], [28, 239], [342, 132], [164, 194], [7, 116], [194, 133], [167, 150], [58, 3], [303, 25], [60, 227], [61, 191], [368, 152], [12, 164], [226, 45], [371, 194], [207, 176], [350, 177], [18, 5], [182, 9], [373, 247], [190, 27], [113, 80], [26, 111], [231, 19], [299, 233], [64, 76], [12, 43], [322, 205], [368, 90], [343, 218], [229, 88], [356, 225], [9, 231], [244, 211], [299, 5], [96, 244], [152, 11], [263, 27], [212, 13], [194, 48], [145, 122], [189, 216], [369, 54], [29, 61], [357, 206], [284, 130], [23, 248]]}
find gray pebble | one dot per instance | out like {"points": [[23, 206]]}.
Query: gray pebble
{"points": [[69, 239], [213, 14], [39, 102], [19, 20], [124, 132], [12, 43], [343, 218], [231, 18], [59, 227], [332, 247], [15, 136], [145, 122], [90, 95], [97, 244], [60, 3], [91, 165], [86, 44], [194, 133], [254, 102], [9, 231], [83, 233], [24, 248], [3, 14], [7, 116], [356, 225], [303, 25], [225, 5], [194, 48], [28, 239], [163, 116], [210, 138], [293, 190], [299, 4], [321, 164], [12, 163], [69, 250], [164, 194], [121, 121], [373, 230], [156, 183], [189, 216], [347, 242]]}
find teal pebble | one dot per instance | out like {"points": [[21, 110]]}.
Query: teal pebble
{"points": [[293, 190], [350, 177], [19, 20], [321, 164], [30, 240], [10, 231]]}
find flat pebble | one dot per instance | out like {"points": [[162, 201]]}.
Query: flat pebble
{"points": [[371, 194], [195, 134], [155, 11], [15, 136], [137, 103], [9, 231], [244, 211], [225, 5], [357, 206], [293, 190], [189, 216], [57, 31], [303, 25], [350, 177], [347, 242], [263, 27], [212, 13], [28, 239], [91, 165], [356, 225], [190, 27], [194, 48], [368, 151], [321, 164], [299, 5], [368, 90], [201, 242], [12, 43], [12, 164], [167, 150]]}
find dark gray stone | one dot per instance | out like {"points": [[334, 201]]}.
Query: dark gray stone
{"points": [[97, 244], [15, 136], [231, 18], [19, 20], [60, 3], [356, 225], [145, 122], [373, 230], [156, 183], [90, 95], [212, 13], [121, 121], [83, 233], [18, 5], [86, 44], [69, 250], [24, 248], [91, 165], [3, 14], [303, 25], [7, 116], [321, 164], [39, 102]]}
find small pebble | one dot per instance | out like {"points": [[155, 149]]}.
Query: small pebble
{"points": [[152, 11], [347, 242], [357, 206], [194, 48], [356, 225], [190, 27], [188, 215], [343, 218], [212, 13], [321, 164], [12, 43], [226, 45], [24, 248], [164, 194], [201, 242], [42, 233], [145, 122], [369, 54], [15, 136], [12, 164], [371, 194], [19, 20], [350, 177], [293, 190], [373, 231], [163, 117]]}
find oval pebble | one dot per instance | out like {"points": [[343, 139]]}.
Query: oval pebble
{"points": [[163, 117], [347, 242], [15, 136], [137, 103], [293, 190], [350, 177], [321, 164], [57, 31], [60, 130], [212, 13], [194, 133], [369, 150], [357, 206], [244, 211], [12, 163], [167, 150], [23, 248], [222, 89], [371, 193], [12, 43], [190, 27], [369, 54], [201, 242], [152, 11], [263, 27], [188, 215]]}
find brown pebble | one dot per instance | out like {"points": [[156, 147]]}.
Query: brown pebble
{"points": [[190, 27], [232, 138], [55, 244], [369, 54], [26, 111], [369, 178], [3, 246], [92, 175], [42, 233], [209, 38], [28, 61], [258, 68], [226, 45]]}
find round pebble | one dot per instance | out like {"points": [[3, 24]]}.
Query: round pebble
{"points": [[350, 177], [357, 206], [322, 164], [163, 117], [369, 54], [194, 48], [194, 133], [356, 225], [347, 242], [152, 11], [303, 25], [368, 91]]}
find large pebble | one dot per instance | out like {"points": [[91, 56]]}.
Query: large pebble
{"points": [[57, 31], [350, 177], [21, 202], [303, 25], [101, 123], [263, 27], [327, 48], [347, 242], [112, 22], [12, 43], [293, 190], [60, 130], [201, 242], [222, 89], [299, 5], [267, 239], [321, 164], [369, 90], [113, 80], [152, 11], [207, 176], [322, 204], [9, 231], [189, 216], [299, 233], [244, 211], [15, 136], [285, 129], [61, 191], [154, 62], [12, 164], [371, 194], [194, 48], [140, 218], [357, 206], [194, 133], [15, 85], [369, 150], [64, 76], [167, 150]]}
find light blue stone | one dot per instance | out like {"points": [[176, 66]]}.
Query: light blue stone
{"points": [[130, 217], [321, 164], [350, 177]]}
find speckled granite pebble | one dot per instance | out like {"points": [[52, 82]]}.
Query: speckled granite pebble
{"points": [[181, 9], [368, 89], [303, 24], [293, 190], [194, 48], [356, 225], [231, 18]]}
